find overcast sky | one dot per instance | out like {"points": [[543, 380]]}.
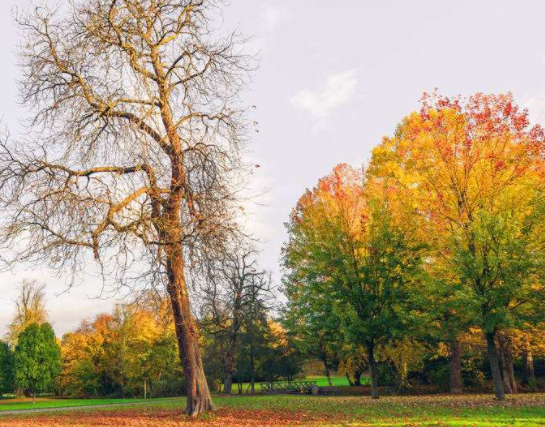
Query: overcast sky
{"points": [[334, 77]]}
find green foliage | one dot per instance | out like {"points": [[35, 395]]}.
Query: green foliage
{"points": [[37, 358], [6, 368]]}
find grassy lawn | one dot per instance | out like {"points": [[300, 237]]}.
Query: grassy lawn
{"points": [[21, 404], [286, 410]]}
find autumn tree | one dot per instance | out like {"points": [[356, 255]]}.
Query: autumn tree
{"points": [[133, 149], [474, 168], [130, 352], [346, 237], [29, 308]]}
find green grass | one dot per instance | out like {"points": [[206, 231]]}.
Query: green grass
{"points": [[355, 411], [22, 404], [428, 411], [337, 381]]}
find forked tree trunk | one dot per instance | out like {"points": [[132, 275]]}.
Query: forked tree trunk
{"points": [[456, 367], [372, 369], [198, 394], [494, 365]]}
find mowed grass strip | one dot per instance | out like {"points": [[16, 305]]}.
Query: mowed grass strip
{"points": [[46, 403], [292, 410]]}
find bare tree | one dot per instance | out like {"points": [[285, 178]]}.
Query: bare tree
{"points": [[134, 148], [235, 287], [29, 308]]}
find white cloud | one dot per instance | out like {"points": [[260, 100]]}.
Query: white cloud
{"points": [[339, 89]]}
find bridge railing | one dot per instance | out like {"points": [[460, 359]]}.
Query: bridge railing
{"points": [[288, 387]]}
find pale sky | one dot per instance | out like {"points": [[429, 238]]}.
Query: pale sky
{"points": [[334, 77]]}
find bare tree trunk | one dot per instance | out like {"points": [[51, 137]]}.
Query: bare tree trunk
{"points": [[456, 386], [372, 369], [494, 365], [198, 394]]}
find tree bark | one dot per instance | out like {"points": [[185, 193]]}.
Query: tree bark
{"points": [[350, 382], [229, 366], [252, 368], [494, 365], [507, 364], [372, 369], [231, 349], [198, 395], [323, 357], [528, 373], [358, 372], [456, 386]]}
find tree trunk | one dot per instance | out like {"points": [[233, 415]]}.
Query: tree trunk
{"points": [[228, 383], [528, 373], [509, 381], [358, 372], [494, 365], [198, 394], [511, 369], [229, 366], [456, 386], [372, 369], [252, 369], [231, 349], [326, 369], [403, 377]]}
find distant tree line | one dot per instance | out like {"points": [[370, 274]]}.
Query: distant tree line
{"points": [[132, 351]]}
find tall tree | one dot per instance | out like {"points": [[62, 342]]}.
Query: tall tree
{"points": [[236, 285], [6, 368], [474, 167], [347, 238], [133, 151], [29, 308], [37, 358]]}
